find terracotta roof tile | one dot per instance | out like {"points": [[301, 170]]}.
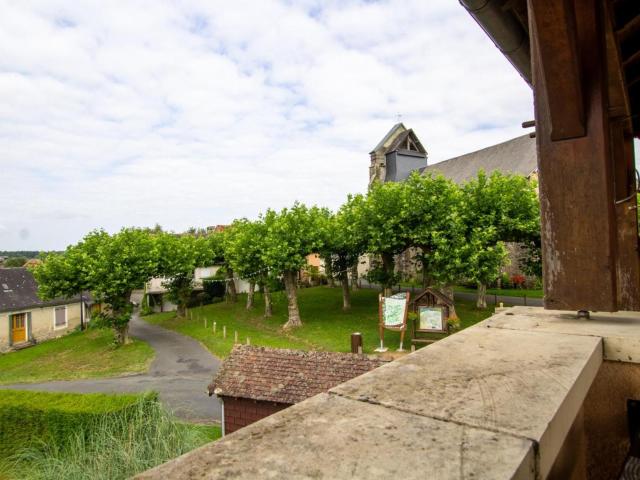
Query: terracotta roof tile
{"points": [[286, 376]]}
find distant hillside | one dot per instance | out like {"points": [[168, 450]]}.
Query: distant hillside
{"points": [[19, 253]]}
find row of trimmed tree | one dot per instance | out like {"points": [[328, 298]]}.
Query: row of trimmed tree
{"points": [[455, 232]]}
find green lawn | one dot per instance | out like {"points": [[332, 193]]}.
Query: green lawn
{"points": [[509, 292], [325, 325], [87, 354]]}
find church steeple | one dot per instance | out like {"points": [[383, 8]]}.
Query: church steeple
{"points": [[398, 154]]}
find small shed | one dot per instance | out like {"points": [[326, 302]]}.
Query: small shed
{"points": [[255, 382], [432, 310]]}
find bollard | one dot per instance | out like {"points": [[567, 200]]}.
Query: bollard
{"points": [[248, 341], [205, 322], [413, 348], [501, 305], [214, 328], [224, 331], [235, 337], [356, 341]]}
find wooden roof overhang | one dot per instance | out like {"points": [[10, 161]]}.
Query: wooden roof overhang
{"points": [[582, 60], [507, 23]]}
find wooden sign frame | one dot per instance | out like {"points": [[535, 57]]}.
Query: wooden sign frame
{"points": [[400, 328]]}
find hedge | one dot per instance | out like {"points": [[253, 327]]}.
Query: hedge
{"points": [[28, 418]]}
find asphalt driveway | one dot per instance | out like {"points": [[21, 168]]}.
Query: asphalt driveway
{"points": [[180, 373]]}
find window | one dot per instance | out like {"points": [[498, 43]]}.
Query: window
{"points": [[60, 317]]}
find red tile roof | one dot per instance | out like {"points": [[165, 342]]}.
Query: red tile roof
{"points": [[286, 376]]}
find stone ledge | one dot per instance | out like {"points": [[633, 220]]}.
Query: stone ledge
{"points": [[492, 379], [620, 331], [503, 395], [332, 437]]}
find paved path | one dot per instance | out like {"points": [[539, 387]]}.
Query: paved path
{"points": [[507, 300], [180, 373]]}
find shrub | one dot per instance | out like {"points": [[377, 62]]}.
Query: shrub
{"points": [[518, 280], [213, 287], [112, 445], [30, 417]]}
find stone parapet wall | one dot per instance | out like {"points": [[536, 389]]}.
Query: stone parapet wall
{"points": [[518, 396]]}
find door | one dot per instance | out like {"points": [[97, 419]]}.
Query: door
{"points": [[19, 328]]}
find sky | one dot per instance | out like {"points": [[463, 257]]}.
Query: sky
{"points": [[193, 113]]}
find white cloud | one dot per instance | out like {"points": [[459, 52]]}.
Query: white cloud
{"points": [[197, 112]]}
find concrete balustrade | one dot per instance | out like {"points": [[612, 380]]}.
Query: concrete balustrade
{"points": [[525, 394]]}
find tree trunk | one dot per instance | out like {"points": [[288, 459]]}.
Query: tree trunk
{"points": [[346, 294], [387, 265], [354, 277], [252, 288], [268, 308], [328, 271], [122, 334], [292, 299], [448, 291], [232, 293], [482, 296], [182, 309]]}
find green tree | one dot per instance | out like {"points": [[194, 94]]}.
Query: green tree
{"points": [[497, 208], [216, 242], [384, 222], [243, 250], [436, 229], [291, 235], [344, 243], [178, 257], [13, 262], [110, 266]]}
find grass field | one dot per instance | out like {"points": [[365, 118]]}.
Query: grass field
{"points": [[325, 325], [88, 354], [89, 436], [509, 292]]}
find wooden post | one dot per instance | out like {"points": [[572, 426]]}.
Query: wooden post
{"points": [[205, 322], [356, 342], [248, 341], [581, 244], [224, 331], [214, 328], [235, 337]]}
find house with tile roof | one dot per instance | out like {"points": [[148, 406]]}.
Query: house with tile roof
{"points": [[26, 319], [255, 382]]}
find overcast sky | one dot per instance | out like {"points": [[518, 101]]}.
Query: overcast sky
{"points": [[195, 113]]}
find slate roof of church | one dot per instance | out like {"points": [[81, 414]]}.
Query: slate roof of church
{"points": [[286, 376], [516, 156]]}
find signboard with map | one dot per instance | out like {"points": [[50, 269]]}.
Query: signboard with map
{"points": [[431, 319], [393, 316], [393, 311]]}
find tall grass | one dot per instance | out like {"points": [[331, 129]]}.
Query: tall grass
{"points": [[114, 446]]}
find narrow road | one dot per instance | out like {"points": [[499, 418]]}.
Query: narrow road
{"points": [[507, 300], [180, 373]]}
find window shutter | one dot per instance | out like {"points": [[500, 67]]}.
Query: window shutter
{"points": [[28, 327]]}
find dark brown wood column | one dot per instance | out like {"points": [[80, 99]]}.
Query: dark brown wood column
{"points": [[590, 256]]}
